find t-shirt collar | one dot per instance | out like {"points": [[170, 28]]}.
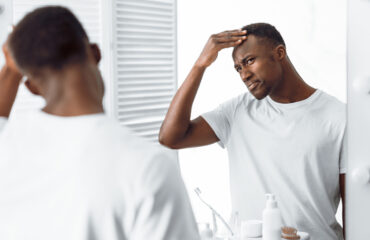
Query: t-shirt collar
{"points": [[301, 103]]}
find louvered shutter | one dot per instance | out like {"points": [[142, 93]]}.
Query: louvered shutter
{"points": [[87, 11], [144, 63]]}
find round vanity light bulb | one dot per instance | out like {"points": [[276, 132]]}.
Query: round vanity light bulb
{"points": [[361, 175], [362, 84]]}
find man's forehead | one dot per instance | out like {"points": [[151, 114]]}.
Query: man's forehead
{"points": [[252, 45]]}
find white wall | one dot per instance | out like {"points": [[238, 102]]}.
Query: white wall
{"points": [[315, 34]]}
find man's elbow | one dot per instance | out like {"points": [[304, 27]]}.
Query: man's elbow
{"points": [[167, 142]]}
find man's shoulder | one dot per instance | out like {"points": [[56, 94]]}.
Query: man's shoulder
{"points": [[333, 101], [239, 99], [134, 162], [115, 134], [333, 105], [330, 110], [146, 165], [129, 151], [232, 105]]}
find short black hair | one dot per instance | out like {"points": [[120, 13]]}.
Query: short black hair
{"points": [[265, 31], [48, 38]]}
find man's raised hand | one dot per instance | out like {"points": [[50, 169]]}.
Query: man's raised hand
{"points": [[217, 42]]}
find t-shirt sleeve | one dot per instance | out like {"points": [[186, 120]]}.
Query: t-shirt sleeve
{"points": [[164, 210], [3, 122], [220, 120], [343, 159]]}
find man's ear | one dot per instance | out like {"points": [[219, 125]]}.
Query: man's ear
{"points": [[280, 51], [32, 87], [96, 52]]}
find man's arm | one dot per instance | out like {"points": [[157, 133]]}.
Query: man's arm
{"points": [[342, 186], [177, 130], [10, 78]]}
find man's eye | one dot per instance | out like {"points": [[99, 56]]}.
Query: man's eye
{"points": [[250, 61], [238, 69]]}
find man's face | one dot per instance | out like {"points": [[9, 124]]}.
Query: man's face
{"points": [[257, 65]]}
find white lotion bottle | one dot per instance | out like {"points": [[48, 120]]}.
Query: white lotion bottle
{"points": [[271, 218]]}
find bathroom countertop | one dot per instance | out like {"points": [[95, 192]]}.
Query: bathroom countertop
{"points": [[304, 236]]}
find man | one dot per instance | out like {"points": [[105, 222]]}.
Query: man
{"points": [[283, 137], [68, 171]]}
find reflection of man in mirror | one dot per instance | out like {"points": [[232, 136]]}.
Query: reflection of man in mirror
{"points": [[282, 136], [68, 171]]}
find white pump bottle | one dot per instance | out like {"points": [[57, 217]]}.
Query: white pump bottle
{"points": [[271, 217]]}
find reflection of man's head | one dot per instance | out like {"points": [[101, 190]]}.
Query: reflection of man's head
{"points": [[48, 42], [259, 60]]}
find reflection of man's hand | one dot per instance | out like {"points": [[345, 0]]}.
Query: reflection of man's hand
{"points": [[218, 42]]}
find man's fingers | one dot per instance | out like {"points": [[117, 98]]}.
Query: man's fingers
{"points": [[230, 36], [230, 44], [233, 33], [230, 39]]}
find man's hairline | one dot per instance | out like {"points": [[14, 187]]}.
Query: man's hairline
{"points": [[260, 39]]}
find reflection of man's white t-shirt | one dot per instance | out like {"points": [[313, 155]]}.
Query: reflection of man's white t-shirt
{"points": [[293, 150], [85, 178]]}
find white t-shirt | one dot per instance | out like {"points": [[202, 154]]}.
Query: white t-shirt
{"points": [[293, 150], [88, 178]]}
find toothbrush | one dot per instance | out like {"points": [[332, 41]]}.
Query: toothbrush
{"points": [[214, 212]]}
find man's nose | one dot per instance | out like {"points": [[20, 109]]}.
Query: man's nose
{"points": [[246, 75]]}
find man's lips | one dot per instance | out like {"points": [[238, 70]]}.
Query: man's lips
{"points": [[253, 85]]}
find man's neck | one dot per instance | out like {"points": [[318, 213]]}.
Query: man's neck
{"points": [[74, 93], [292, 88], [73, 108]]}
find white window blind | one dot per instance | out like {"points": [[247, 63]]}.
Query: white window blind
{"points": [[145, 63], [138, 43]]}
